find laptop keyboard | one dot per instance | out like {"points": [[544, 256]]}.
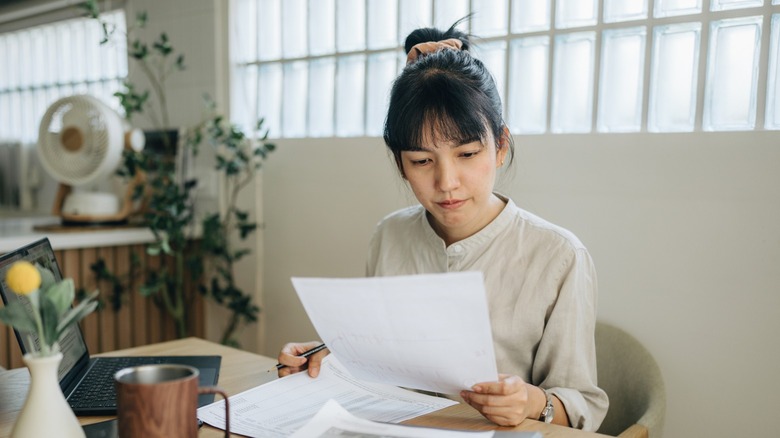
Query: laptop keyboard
{"points": [[97, 390]]}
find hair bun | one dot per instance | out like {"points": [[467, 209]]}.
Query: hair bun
{"points": [[431, 34], [430, 47]]}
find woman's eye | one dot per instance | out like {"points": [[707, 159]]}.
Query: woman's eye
{"points": [[469, 154], [421, 162]]}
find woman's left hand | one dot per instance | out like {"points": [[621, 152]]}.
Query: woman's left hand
{"points": [[505, 402]]}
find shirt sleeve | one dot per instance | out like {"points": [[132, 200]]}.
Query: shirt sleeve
{"points": [[565, 363], [373, 253]]}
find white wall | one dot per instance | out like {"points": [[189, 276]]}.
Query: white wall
{"points": [[683, 229]]}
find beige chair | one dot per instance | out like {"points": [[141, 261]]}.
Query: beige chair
{"points": [[633, 382]]}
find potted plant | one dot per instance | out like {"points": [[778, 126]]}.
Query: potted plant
{"points": [[41, 310], [170, 209]]}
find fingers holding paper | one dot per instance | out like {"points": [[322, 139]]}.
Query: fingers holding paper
{"points": [[506, 402], [291, 357]]}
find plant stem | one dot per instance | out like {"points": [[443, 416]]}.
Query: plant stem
{"points": [[159, 92], [181, 323], [35, 302]]}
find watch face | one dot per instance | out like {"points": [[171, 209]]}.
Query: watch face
{"points": [[548, 411], [547, 414]]}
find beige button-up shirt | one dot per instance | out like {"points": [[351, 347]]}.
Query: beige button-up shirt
{"points": [[541, 292]]}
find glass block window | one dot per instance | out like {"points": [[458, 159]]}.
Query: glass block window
{"points": [[324, 68], [624, 10], [529, 58], [670, 8], [732, 74], [622, 79], [674, 78], [53, 61], [723, 5], [572, 102], [530, 16], [773, 79], [575, 13]]}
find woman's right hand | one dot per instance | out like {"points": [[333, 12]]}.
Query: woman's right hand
{"points": [[291, 357]]}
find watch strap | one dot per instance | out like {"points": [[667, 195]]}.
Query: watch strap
{"points": [[549, 410]]}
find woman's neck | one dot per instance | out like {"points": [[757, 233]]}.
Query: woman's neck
{"points": [[451, 235]]}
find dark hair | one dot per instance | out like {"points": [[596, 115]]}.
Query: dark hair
{"points": [[448, 92]]}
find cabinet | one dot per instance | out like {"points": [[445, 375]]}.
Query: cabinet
{"points": [[138, 321]]}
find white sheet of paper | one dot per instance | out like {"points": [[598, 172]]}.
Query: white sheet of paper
{"points": [[429, 332], [278, 408], [335, 421]]}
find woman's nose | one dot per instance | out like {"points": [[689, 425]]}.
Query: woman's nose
{"points": [[447, 178]]}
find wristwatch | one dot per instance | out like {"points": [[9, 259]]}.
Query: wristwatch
{"points": [[549, 411]]}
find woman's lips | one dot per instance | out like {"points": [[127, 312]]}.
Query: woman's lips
{"points": [[451, 204]]}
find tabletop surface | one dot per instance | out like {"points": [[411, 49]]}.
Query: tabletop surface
{"points": [[242, 370]]}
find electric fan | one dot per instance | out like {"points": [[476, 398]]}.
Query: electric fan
{"points": [[80, 143]]}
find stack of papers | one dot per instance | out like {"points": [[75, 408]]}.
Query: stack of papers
{"points": [[280, 407], [429, 332], [334, 421]]}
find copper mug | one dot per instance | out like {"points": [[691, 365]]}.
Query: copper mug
{"points": [[161, 401]]}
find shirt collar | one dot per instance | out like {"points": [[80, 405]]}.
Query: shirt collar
{"points": [[479, 239]]}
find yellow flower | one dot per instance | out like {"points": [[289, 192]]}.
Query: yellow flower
{"points": [[23, 278]]}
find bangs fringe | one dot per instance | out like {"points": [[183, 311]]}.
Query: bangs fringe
{"points": [[436, 113]]}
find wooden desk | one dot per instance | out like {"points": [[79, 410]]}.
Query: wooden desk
{"points": [[241, 371]]}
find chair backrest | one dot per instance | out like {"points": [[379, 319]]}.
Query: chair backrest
{"points": [[633, 381]]}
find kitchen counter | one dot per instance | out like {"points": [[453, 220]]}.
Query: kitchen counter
{"points": [[17, 232]]}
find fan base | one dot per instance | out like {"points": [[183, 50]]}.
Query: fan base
{"points": [[91, 204], [96, 217]]}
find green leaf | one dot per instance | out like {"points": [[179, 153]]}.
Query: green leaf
{"points": [[77, 313], [49, 317], [139, 50], [141, 18], [245, 230], [91, 8], [60, 295], [150, 289], [240, 253], [47, 277], [15, 314]]}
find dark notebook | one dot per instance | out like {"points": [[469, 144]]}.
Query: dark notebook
{"points": [[88, 382]]}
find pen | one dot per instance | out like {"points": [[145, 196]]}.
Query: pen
{"points": [[306, 354]]}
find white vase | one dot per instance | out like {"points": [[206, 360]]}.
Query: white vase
{"points": [[45, 413]]}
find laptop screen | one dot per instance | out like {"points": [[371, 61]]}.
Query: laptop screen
{"points": [[72, 343]]}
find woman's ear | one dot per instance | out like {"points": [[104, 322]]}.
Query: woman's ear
{"points": [[502, 148]]}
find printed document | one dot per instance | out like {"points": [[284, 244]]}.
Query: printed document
{"points": [[280, 407], [333, 421], [429, 332]]}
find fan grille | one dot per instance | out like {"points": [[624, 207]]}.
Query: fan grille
{"points": [[76, 140]]}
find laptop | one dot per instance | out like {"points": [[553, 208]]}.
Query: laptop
{"points": [[88, 382]]}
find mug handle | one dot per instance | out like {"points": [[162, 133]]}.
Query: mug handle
{"points": [[216, 390]]}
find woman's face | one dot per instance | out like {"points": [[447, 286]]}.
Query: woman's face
{"points": [[454, 183]]}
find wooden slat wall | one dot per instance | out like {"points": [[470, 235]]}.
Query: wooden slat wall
{"points": [[138, 322]]}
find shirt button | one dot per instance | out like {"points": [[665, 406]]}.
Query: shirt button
{"points": [[457, 249]]}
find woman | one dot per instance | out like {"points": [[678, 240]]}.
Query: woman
{"points": [[446, 133]]}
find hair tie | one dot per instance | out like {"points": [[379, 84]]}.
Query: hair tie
{"points": [[432, 46]]}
